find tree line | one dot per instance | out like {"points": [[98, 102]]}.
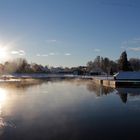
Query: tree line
{"points": [[20, 65], [110, 67], [100, 65]]}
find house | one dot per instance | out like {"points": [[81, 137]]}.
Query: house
{"points": [[127, 75], [56, 69], [96, 71]]}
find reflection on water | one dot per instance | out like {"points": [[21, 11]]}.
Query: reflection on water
{"points": [[67, 109], [3, 122], [2, 101], [125, 92], [99, 90]]}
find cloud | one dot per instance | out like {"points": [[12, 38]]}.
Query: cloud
{"points": [[51, 53], [45, 55], [42, 55], [123, 47], [96, 50], [134, 49], [132, 44], [51, 41], [14, 52], [19, 52], [137, 39], [67, 54]]}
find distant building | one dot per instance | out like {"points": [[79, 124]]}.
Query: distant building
{"points": [[56, 69], [81, 70], [96, 71]]}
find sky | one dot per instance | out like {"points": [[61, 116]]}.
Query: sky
{"points": [[68, 32]]}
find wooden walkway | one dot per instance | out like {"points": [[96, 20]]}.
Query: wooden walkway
{"points": [[117, 83]]}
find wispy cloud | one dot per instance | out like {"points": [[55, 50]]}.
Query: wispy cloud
{"points": [[67, 54], [22, 52], [50, 41], [18, 52], [133, 44], [137, 39], [134, 49], [14, 52], [42, 55], [51, 53], [46, 55], [96, 50]]}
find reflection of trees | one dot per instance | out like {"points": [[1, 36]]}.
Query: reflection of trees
{"points": [[99, 90], [91, 86], [123, 97], [21, 85], [124, 92], [27, 83]]}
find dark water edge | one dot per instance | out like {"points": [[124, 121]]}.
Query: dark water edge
{"points": [[68, 110]]}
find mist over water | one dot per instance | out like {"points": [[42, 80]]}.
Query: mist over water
{"points": [[68, 109]]}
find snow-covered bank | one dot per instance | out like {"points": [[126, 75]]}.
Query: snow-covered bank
{"points": [[18, 77], [42, 76], [9, 80]]}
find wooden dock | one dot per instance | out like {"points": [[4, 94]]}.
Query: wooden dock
{"points": [[117, 83]]}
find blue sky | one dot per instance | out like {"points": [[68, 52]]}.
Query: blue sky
{"points": [[69, 32]]}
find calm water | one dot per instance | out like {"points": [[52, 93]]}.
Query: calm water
{"points": [[68, 110]]}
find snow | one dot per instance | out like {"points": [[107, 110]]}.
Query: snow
{"points": [[42, 75], [45, 76]]}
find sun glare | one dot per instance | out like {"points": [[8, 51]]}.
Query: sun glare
{"points": [[2, 95], [3, 53]]}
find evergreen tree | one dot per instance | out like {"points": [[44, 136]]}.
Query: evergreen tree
{"points": [[123, 63], [111, 71]]}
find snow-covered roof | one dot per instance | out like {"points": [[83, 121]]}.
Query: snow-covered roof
{"points": [[127, 76]]}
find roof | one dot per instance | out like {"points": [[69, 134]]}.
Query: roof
{"points": [[127, 75]]}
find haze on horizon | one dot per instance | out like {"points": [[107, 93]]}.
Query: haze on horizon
{"points": [[68, 32]]}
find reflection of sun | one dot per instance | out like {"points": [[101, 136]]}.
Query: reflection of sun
{"points": [[2, 100], [2, 95]]}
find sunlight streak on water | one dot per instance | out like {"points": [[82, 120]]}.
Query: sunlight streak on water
{"points": [[3, 99], [2, 95]]}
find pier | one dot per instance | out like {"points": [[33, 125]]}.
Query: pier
{"points": [[121, 79], [117, 83]]}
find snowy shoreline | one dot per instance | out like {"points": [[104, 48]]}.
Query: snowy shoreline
{"points": [[42, 76], [19, 77]]}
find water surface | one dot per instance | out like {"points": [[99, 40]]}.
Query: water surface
{"points": [[68, 110]]}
